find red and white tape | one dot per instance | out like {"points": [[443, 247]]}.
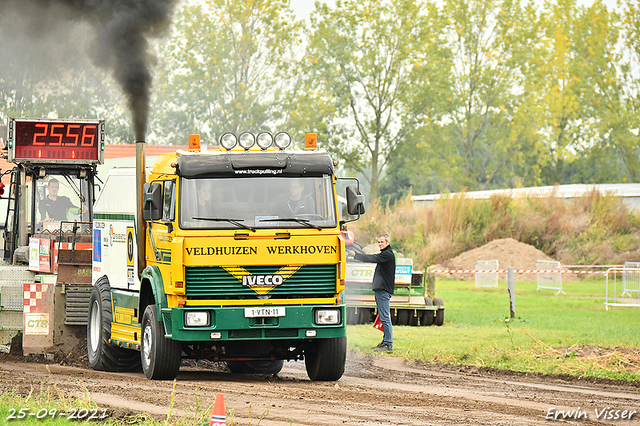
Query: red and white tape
{"points": [[593, 266], [516, 271]]}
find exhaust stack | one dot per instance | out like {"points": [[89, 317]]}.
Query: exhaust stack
{"points": [[141, 225]]}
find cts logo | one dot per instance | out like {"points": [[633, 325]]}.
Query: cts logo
{"points": [[262, 280]]}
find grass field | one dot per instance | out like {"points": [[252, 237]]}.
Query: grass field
{"points": [[570, 333]]}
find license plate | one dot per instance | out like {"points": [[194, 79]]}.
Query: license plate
{"points": [[264, 312]]}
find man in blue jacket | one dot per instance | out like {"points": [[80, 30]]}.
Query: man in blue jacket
{"points": [[384, 283]]}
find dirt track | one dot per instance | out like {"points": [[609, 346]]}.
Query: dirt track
{"points": [[375, 390]]}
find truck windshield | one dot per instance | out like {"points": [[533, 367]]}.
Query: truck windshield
{"points": [[257, 202]]}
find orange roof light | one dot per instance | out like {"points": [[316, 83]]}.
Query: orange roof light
{"points": [[194, 142], [310, 141]]}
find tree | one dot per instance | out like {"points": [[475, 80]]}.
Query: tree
{"points": [[573, 77], [477, 135], [363, 60], [484, 113], [624, 132], [227, 67]]}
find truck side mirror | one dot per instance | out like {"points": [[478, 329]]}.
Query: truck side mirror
{"points": [[152, 208], [355, 201]]}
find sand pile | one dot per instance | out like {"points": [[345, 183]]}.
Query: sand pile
{"points": [[508, 252]]}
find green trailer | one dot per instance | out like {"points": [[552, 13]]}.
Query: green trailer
{"points": [[413, 302]]}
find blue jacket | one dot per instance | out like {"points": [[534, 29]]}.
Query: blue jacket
{"points": [[384, 278]]}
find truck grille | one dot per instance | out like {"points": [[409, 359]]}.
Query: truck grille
{"points": [[214, 282]]}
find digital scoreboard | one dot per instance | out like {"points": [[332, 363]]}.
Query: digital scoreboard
{"points": [[55, 141]]}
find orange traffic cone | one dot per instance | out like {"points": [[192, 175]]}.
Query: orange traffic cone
{"points": [[218, 418]]}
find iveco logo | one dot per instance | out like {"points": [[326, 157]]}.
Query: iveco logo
{"points": [[262, 280]]}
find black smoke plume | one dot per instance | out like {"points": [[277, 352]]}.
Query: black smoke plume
{"points": [[119, 32]]}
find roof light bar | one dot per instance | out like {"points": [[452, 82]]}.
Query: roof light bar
{"points": [[247, 140]]}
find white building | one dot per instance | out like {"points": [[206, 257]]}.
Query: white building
{"points": [[629, 192]]}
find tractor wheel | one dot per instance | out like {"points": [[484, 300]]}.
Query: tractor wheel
{"points": [[352, 316], [404, 316], [102, 355], [427, 316], [439, 320], [413, 321], [364, 316], [255, 367], [325, 359], [160, 356]]}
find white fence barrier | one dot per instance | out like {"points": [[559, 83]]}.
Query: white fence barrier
{"points": [[549, 279], [487, 279], [617, 288], [631, 278]]}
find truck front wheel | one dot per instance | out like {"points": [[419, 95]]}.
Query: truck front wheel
{"points": [[160, 356], [325, 359], [102, 355]]}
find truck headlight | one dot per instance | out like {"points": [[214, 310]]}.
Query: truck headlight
{"points": [[196, 319], [327, 316]]}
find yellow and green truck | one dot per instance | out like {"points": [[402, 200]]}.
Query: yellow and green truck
{"points": [[237, 279]]}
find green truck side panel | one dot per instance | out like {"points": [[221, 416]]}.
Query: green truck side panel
{"points": [[125, 299], [153, 275], [232, 324]]}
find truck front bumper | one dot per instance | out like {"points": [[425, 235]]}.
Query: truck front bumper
{"points": [[240, 323]]}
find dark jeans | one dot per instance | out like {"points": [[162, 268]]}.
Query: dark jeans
{"points": [[384, 312]]}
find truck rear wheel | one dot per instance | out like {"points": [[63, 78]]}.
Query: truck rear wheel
{"points": [[103, 356], [326, 358], [439, 320], [160, 356], [255, 367]]}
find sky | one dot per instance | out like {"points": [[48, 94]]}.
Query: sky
{"points": [[302, 8]]}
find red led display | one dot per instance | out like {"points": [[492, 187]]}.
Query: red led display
{"points": [[57, 141]]}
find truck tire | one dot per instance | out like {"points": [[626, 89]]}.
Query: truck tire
{"points": [[102, 355], [160, 357], [325, 359], [255, 367], [439, 320], [427, 317]]}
